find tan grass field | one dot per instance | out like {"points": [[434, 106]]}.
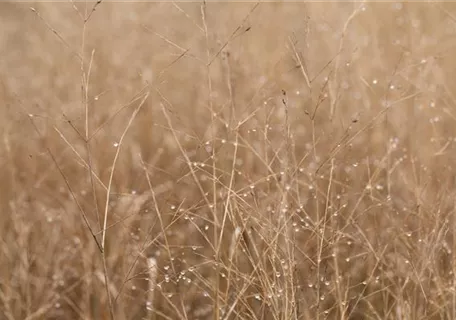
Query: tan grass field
{"points": [[227, 160]]}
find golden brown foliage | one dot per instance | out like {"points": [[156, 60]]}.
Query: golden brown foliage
{"points": [[227, 160]]}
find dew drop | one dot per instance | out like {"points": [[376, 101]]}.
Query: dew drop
{"points": [[397, 6]]}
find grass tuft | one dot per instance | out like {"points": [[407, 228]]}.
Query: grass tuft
{"points": [[227, 160]]}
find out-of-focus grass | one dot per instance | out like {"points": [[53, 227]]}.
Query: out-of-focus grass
{"points": [[250, 161]]}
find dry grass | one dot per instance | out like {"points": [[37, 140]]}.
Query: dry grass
{"points": [[227, 161]]}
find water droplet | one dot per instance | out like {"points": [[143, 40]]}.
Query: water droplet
{"points": [[397, 6]]}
